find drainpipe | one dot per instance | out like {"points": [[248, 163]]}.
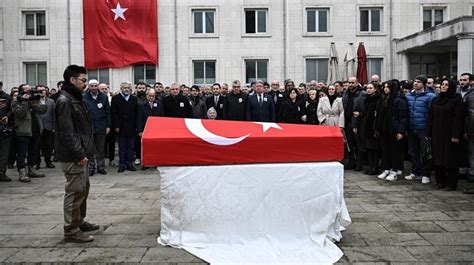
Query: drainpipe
{"points": [[68, 6], [285, 39], [175, 41], [391, 39]]}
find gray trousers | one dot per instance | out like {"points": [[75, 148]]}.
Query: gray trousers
{"points": [[98, 162], [75, 198]]}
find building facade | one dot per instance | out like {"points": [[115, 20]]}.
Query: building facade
{"points": [[207, 41]]}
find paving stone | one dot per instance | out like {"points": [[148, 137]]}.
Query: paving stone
{"points": [[455, 239], [92, 255], [151, 219], [381, 208], [457, 226], [368, 227], [374, 217], [411, 227], [442, 253], [100, 240], [6, 253], [133, 229], [31, 219], [351, 239], [168, 254], [461, 215], [45, 255], [31, 241], [26, 229], [116, 219], [432, 207], [139, 241], [394, 239], [423, 216], [377, 254]]}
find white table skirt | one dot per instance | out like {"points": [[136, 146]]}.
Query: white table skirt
{"points": [[256, 213]]}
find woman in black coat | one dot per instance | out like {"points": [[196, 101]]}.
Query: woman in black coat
{"points": [[392, 122], [291, 109], [311, 108], [445, 127], [368, 129]]}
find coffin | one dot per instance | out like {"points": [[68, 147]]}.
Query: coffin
{"points": [[178, 141]]}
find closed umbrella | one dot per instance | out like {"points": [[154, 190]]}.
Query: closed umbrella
{"points": [[333, 64], [349, 61], [361, 64]]}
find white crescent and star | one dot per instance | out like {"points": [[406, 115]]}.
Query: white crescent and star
{"points": [[196, 127], [119, 12]]}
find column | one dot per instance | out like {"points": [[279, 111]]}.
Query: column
{"points": [[465, 55], [405, 66]]}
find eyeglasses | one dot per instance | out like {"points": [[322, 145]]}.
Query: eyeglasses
{"points": [[84, 80]]}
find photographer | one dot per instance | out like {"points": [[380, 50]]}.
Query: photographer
{"points": [[28, 128], [6, 132]]}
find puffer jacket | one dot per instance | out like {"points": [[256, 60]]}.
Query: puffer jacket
{"points": [[418, 109], [22, 111], [74, 139]]}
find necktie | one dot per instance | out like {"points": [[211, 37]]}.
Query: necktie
{"points": [[260, 99], [216, 99]]}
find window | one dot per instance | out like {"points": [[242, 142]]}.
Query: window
{"points": [[317, 69], [204, 72], [256, 70], [255, 21], [35, 23], [36, 73], [101, 75], [203, 21], [374, 67], [433, 16], [317, 20], [144, 73], [370, 19]]}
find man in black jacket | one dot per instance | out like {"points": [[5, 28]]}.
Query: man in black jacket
{"points": [[6, 132], [176, 105], [74, 144], [97, 104], [235, 104], [124, 121]]}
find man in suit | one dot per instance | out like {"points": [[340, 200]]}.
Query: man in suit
{"points": [[216, 101], [151, 107], [124, 121], [260, 107]]}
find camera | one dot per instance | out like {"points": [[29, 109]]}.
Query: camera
{"points": [[34, 95]]}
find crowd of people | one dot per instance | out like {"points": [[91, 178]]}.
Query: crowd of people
{"points": [[431, 118]]}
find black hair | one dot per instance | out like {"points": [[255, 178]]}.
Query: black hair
{"points": [[195, 87], [217, 84], [141, 83], [471, 77], [73, 71]]}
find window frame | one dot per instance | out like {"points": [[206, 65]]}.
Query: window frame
{"points": [[432, 7], [369, 73], [382, 20], [329, 21], [267, 21], [144, 74], [25, 74], [22, 24], [205, 60], [245, 60], [305, 61], [98, 75], [192, 33]]}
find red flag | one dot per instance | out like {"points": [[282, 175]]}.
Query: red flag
{"points": [[118, 33], [176, 141]]}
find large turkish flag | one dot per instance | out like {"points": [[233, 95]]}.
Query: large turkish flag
{"points": [[118, 33], [177, 141]]}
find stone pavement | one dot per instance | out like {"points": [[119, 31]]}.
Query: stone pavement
{"points": [[400, 222]]}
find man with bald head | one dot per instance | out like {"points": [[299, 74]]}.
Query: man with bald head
{"points": [[352, 96], [375, 80]]}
